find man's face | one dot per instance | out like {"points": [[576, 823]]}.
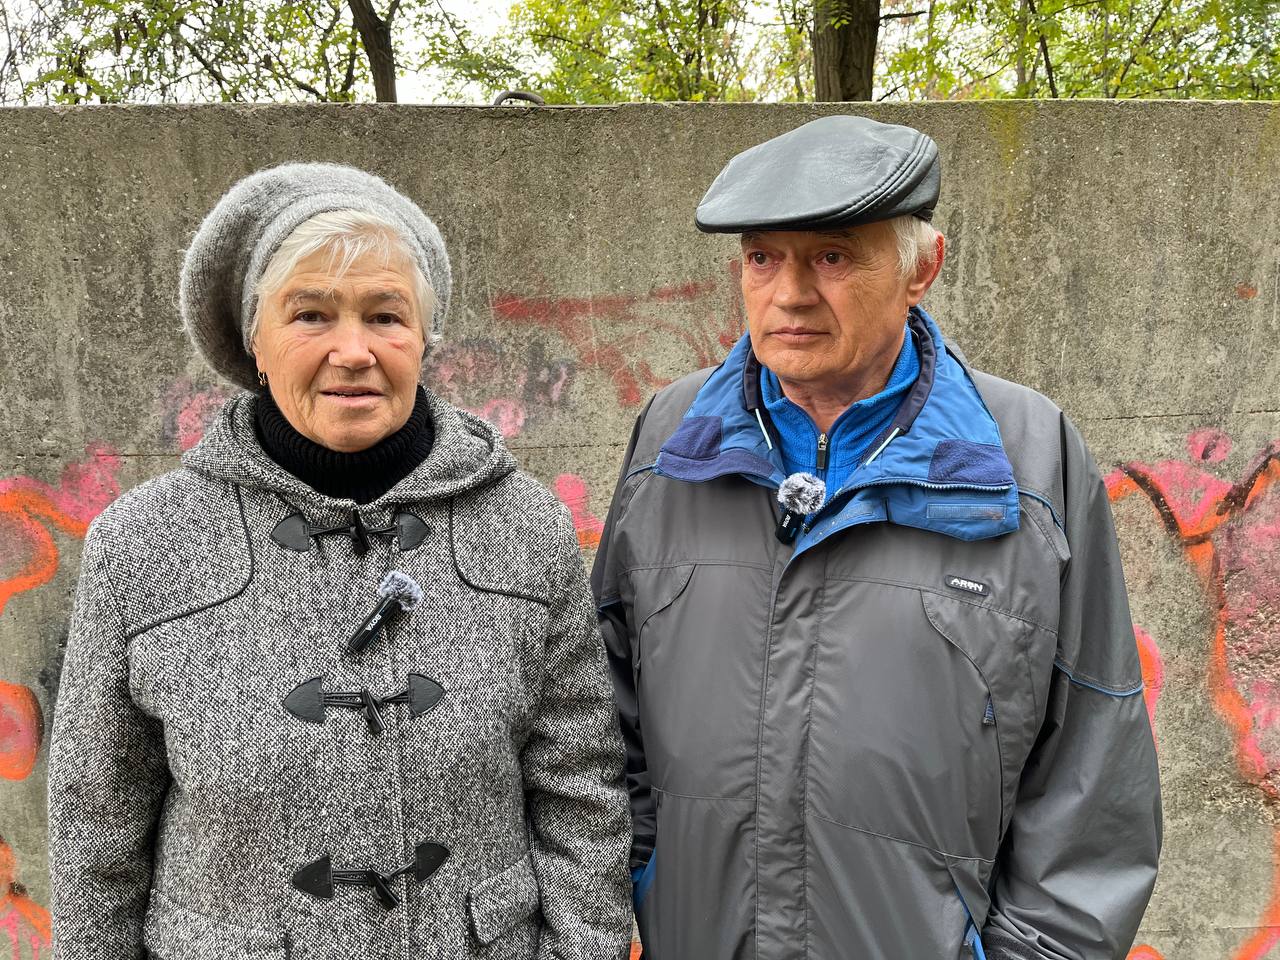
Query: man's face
{"points": [[826, 310]]}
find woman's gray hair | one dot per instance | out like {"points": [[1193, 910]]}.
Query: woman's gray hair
{"points": [[917, 243], [347, 235]]}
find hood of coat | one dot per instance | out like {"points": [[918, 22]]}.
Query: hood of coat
{"points": [[941, 464], [467, 453]]}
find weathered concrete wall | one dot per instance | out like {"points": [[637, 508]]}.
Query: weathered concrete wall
{"points": [[1119, 257]]}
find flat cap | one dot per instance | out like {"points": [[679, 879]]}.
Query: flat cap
{"points": [[238, 238], [828, 174]]}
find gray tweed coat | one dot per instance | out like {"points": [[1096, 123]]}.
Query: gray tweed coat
{"points": [[228, 780]]}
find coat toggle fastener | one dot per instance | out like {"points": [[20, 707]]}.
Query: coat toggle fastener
{"points": [[308, 700], [295, 532], [319, 879]]}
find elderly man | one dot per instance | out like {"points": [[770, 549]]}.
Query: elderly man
{"points": [[898, 714]]}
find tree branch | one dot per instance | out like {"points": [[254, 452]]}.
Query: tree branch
{"points": [[1044, 50], [1133, 55], [555, 37]]}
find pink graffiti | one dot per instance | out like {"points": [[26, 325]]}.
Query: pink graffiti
{"points": [[188, 411], [26, 923], [572, 489], [511, 391]]}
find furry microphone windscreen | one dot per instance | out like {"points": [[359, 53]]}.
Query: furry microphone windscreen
{"points": [[802, 493], [402, 588]]}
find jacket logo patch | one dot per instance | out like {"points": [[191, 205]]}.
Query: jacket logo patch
{"points": [[969, 586]]}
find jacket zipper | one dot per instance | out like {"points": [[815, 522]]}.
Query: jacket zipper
{"points": [[822, 451]]}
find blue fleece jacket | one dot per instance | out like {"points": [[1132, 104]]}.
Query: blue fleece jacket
{"points": [[853, 432]]}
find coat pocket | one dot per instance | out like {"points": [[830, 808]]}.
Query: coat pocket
{"points": [[497, 904], [174, 932]]}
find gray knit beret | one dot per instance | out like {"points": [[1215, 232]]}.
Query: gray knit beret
{"points": [[235, 243]]}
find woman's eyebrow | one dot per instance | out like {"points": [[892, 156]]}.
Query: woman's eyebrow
{"points": [[309, 293], [388, 296]]}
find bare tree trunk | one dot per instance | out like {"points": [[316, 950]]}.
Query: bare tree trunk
{"points": [[845, 33], [375, 34]]}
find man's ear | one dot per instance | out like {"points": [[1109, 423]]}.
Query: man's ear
{"points": [[926, 273]]}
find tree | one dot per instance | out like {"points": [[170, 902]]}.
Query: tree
{"points": [[845, 35], [605, 51], [1217, 49], [231, 50], [579, 51]]}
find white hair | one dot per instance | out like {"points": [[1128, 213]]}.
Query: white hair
{"points": [[917, 241], [347, 235]]}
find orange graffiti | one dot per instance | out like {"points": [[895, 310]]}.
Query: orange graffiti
{"points": [[1152, 672], [25, 921], [21, 729], [1144, 952], [29, 510], [1230, 535]]}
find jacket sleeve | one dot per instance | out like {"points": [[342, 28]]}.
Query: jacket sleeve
{"points": [[107, 781], [572, 767], [1078, 861], [614, 624]]}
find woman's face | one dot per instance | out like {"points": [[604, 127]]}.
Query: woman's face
{"points": [[342, 354]]}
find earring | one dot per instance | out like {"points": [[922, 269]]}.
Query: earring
{"points": [[262, 379]]}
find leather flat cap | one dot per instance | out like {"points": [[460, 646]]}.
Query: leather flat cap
{"points": [[829, 174]]}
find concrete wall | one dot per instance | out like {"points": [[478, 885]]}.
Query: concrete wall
{"points": [[1120, 257]]}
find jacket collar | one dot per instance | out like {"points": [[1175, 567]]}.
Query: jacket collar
{"points": [[467, 453], [943, 446]]}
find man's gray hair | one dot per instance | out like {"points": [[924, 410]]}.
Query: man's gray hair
{"points": [[347, 235], [917, 243]]}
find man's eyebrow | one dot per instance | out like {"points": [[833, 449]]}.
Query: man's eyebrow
{"points": [[387, 296]]}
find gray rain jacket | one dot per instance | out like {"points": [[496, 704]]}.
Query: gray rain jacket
{"points": [[229, 780], [915, 733]]}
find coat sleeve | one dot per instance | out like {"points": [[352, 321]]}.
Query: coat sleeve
{"points": [[1078, 861], [572, 767], [107, 781], [614, 624]]}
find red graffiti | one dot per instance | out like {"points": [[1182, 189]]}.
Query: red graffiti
{"points": [[1230, 535], [30, 510], [631, 321]]}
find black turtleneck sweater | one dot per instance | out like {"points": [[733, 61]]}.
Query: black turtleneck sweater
{"points": [[362, 476]]}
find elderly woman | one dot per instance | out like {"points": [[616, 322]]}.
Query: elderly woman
{"points": [[334, 688]]}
